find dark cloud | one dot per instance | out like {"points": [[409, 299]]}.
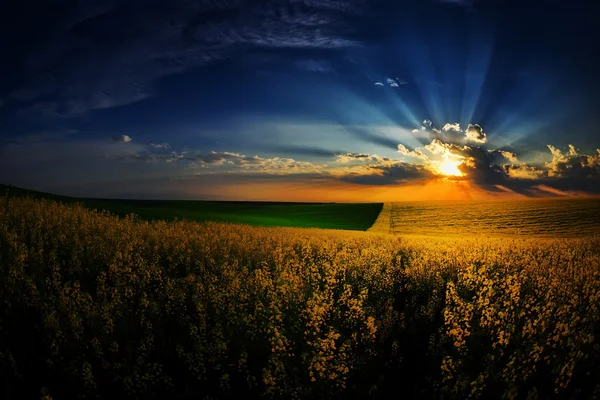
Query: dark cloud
{"points": [[524, 171], [503, 155], [348, 157], [393, 173], [573, 165], [452, 133], [98, 55], [568, 171], [497, 169]]}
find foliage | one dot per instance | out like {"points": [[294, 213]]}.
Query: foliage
{"points": [[95, 306]]}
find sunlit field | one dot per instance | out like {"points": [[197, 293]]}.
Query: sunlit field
{"points": [[98, 306], [520, 218]]}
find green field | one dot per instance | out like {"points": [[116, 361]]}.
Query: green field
{"points": [[528, 218], [301, 215]]}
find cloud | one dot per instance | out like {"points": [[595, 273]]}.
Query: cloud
{"points": [[99, 57], [226, 160], [395, 82], [452, 127], [122, 138], [359, 168], [573, 165], [524, 171], [402, 149], [450, 160], [160, 146], [379, 170], [392, 173], [569, 171], [452, 133], [349, 157], [417, 153], [475, 133], [44, 159], [510, 156], [499, 156]]}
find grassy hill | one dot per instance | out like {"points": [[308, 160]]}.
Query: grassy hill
{"points": [[302, 215]]}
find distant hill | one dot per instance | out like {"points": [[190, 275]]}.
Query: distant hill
{"points": [[15, 191]]}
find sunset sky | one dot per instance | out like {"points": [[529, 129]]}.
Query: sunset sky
{"points": [[301, 100]]}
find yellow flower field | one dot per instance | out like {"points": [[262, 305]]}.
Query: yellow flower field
{"points": [[96, 306], [550, 218]]}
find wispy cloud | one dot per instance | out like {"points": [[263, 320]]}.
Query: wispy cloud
{"points": [[363, 157], [103, 57], [160, 145], [395, 82], [235, 162]]}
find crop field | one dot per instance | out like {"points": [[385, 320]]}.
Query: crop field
{"points": [[97, 306], [302, 215], [520, 218]]}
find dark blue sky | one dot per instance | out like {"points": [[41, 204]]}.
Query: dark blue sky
{"points": [[274, 99]]}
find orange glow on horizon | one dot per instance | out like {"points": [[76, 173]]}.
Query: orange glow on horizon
{"points": [[336, 191]]}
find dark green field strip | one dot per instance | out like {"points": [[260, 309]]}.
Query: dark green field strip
{"points": [[301, 215]]}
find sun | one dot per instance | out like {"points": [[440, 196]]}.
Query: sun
{"points": [[450, 168]]}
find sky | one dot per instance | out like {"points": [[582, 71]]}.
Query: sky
{"points": [[301, 100]]}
